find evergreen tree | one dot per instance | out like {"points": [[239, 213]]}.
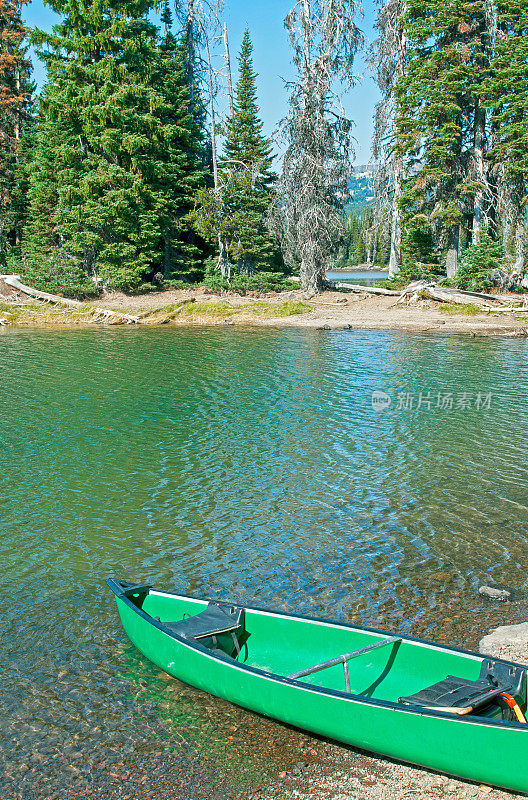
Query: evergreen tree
{"points": [[15, 96], [360, 251], [483, 257], [119, 155], [438, 113], [46, 263], [238, 211], [506, 90], [245, 141], [250, 151], [182, 157]]}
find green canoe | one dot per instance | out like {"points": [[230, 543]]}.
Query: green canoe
{"points": [[409, 699]]}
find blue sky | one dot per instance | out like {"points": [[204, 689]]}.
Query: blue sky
{"points": [[272, 61]]}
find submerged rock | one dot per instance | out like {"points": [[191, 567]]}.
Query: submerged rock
{"points": [[494, 593]]}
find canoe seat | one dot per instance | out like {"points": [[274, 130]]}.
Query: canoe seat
{"points": [[217, 627], [462, 696]]}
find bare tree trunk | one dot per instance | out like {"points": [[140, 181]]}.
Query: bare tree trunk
{"points": [[311, 272], [17, 110], [212, 115], [506, 235], [506, 212], [520, 243], [17, 155], [388, 57], [223, 259], [452, 251], [480, 177], [190, 49], [395, 260], [488, 32], [371, 244], [229, 75]]}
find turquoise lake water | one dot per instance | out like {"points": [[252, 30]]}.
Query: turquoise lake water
{"points": [[248, 464]]}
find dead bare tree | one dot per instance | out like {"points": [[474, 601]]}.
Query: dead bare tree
{"points": [[317, 164], [387, 56], [200, 19], [229, 74], [205, 32], [479, 165]]}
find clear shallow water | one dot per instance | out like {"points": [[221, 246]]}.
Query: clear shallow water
{"points": [[236, 463]]}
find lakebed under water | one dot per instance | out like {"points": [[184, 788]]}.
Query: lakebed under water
{"points": [[236, 463]]}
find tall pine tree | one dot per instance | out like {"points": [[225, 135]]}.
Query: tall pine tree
{"points": [[119, 154], [235, 213], [182, 156], [439, 119], [506, 91], [250, 152], [15, 96]]}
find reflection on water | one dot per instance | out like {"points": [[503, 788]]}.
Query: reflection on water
{"points": [[242, 464]]}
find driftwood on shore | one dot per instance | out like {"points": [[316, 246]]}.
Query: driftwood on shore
{"points": [[509, 310], [354, 287], [445, 294], [101, 314]]}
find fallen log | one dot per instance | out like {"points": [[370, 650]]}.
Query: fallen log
{"points": [[412, 289], [354, 287], [461, 296], [102, 314], [457, 297], [446, 294], [511, 310]]}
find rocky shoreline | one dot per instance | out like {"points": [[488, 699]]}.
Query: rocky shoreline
{"points": [[331, 310]]}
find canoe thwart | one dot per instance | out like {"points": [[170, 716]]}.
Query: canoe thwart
{"points": [[344, 659]]}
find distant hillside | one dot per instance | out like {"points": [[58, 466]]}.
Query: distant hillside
{"points": [[362, 194]]}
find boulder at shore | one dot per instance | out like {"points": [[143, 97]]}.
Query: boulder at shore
{"points": [[508, 641]]}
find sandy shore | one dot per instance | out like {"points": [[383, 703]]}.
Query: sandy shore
{"points": [[329, 310]]}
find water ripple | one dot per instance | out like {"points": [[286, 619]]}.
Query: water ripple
{"points": [[248, 464]]}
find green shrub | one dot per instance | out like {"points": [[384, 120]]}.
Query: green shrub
{"points": [[468, 309], [418, 253], [57, 275], [479, 260]]}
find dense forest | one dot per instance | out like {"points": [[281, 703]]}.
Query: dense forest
{"points": [[122, 173]]}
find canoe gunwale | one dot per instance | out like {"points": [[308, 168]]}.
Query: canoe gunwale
{"points": [[117, 589]]}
